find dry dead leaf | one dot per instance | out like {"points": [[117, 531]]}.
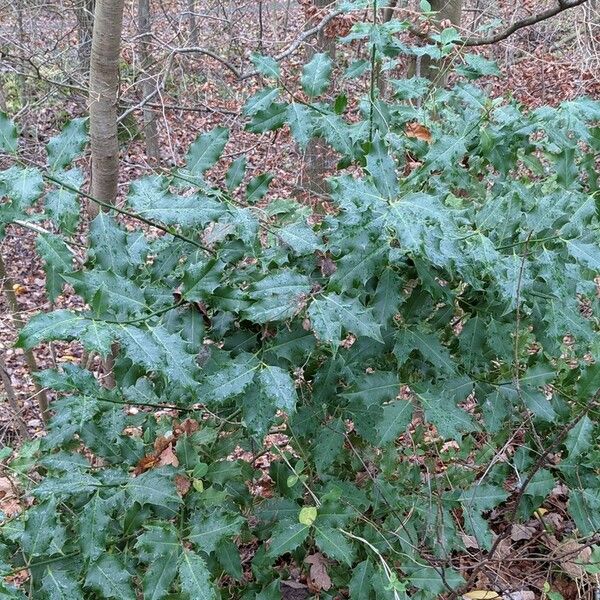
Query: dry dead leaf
{"points": [[520, 595], [160, 443], [19, 289], [318, 571], [570, 554], [168, 457], [521, 532], [481, 595], [148, 462], [183, 484], [418, 131]]}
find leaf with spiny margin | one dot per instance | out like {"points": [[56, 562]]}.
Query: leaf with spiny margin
{"points": [[65, 485], [201, 279], [154, 487], [268, 119], [39, 528], [328, 445], [109, 578], [316, 74], [277, 297], [579, 439], [68, 144], [159, 546], [235, 173], [108, 242], [382, 168], [229, 558], [278, 386], [208, 530], [586, 253], [446, 153], [330, 313], [57, 325], [334, 544], [396, 416], [477, 66], [286, 537], [299, 237], [260, 101], [58, 584], [23, 186], [300, 120], [429, 345], [206, 150], [9, 141], [151, 199], [441, 410], [195, 577], [357, 266], [584, 507], [266, 65], [72, 378], [374, 388], [177, 363], [139, 346], [230, 380], [357, 68], [93, 527], [58, 261], [337, 133], [360, 583], [388, 296], [480, 498], [258, 187], [61, 202]]}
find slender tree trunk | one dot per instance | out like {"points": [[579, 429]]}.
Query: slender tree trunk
{"points": [[437, 71], [147, 83], [192, 22], [13, 306], [11, 397], [84, 11], [104, 87], [318, 158]]}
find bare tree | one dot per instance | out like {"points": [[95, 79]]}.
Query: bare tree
{"points": [[104, 87], [147, 86]]}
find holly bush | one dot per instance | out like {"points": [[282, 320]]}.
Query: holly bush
{"points": [[421, 357]]}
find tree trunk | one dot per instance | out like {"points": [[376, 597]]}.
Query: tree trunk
{"points": [[147, 80], [437, 71], [318, 158], [13, 306], [192, 22], [104, 87], [84, 11]]}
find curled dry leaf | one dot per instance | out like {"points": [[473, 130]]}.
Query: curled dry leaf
{"points": [[183, 484], [319, 578], [419, 132], [521, 532], [144, 464], [168, 457], [481, 595]]}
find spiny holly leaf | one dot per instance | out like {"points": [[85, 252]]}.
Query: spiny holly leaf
{"points": [[382, 168], [8, 135], [151, 199], [481, 497], [206, 150], [579, 439], [360, 584], [331, 312], [109, 578], [39, 529], [235, 173], [208, 530], [23, 186], [61, 203], [334, 544], [268, 119], [277, 385], [195, 577], [58, 262], [287, 537], [396, 416], [60, 585], [299, 237], [258, 186], [68, 144], [155, 487], [231, 380], [109, 244], [316, 74], [266, 65], [159, 546], [300, 120], [93, 527]]}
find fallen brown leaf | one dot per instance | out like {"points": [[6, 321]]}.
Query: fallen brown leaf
{"points": [[419, 132], [318, 571]]}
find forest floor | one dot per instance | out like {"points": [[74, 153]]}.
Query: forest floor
{"points": [[538, 67]]}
